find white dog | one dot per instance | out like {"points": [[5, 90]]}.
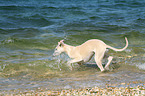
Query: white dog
{"points": [[83, 53]]}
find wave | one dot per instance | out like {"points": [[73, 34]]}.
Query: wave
{"points": [[16, 7], [16, 35], [49, 7], [26, 22], [18, 30], [8, 40]]}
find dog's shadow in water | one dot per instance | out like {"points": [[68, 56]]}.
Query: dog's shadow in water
{"points": [[112, 66], [91, 65]]}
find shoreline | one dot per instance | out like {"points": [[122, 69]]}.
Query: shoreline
{"points": [[108, 90]]}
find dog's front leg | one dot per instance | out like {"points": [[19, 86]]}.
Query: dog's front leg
{"points": [[73, 61]]}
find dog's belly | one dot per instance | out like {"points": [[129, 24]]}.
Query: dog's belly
{"points": [[88, 57]]}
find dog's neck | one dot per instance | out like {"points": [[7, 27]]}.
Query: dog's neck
{"points": [[68, 49]]}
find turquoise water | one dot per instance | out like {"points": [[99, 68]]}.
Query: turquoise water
{"points": [[30, 30]]}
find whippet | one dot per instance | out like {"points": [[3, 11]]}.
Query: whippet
{"points": [[83, 53]]}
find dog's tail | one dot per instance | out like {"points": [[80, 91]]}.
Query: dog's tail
{"points": [[115, 49]]}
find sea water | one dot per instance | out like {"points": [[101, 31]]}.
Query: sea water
{"points": [[30, 30]]}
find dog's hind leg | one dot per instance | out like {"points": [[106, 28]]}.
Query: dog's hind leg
{"points": [[108, 63], [98, 60]]}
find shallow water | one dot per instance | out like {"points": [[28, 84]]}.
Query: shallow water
{"points": [[30, 30]]}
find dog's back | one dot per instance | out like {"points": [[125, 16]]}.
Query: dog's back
{"points": [[91, 44]]}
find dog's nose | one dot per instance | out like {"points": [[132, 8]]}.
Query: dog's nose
{"points": [[54, 54]]}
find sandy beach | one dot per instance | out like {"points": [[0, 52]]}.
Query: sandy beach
{"points": [[109, 90]]}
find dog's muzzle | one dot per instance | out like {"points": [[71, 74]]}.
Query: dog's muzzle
{"points": [[56, 53]]}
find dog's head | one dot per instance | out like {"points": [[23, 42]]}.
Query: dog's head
{"points": [[59, 48]]}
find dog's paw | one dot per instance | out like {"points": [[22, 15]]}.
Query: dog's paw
{"points": [[70, 66], [104, 71]]}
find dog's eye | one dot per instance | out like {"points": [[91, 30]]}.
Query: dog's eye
{"points": [[60, 45]]}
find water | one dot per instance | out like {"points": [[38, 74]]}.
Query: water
{"points": [[30, 30]]}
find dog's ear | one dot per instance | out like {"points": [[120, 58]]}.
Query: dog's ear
{"points": [[61, 41]]}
